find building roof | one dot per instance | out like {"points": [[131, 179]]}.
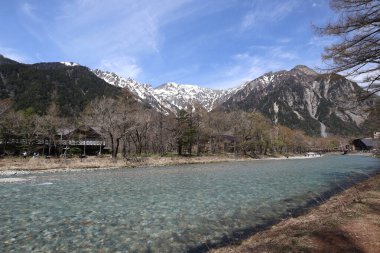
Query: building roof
{"points": [[368, 142], [90, 131], [65, 131]]}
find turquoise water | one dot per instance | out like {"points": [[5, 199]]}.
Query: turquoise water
{"points": [[165, 209]]}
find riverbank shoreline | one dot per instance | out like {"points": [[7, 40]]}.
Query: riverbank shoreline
{"points": [[92, 190], [19, 165], [347, 222]]}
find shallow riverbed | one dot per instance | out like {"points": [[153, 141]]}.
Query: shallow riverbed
{"points": [[164, 209]]}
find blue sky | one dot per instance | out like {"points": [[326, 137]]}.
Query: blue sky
{"points": [[211, 43]]}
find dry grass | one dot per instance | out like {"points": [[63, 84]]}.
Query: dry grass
{"points": [[42, 164], [348, 222], [10, 164], [105, 162], [35, 164]]}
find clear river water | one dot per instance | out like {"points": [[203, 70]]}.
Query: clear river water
{"points": [[186, 208]]}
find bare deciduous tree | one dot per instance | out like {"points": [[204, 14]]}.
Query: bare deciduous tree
{"points": [[113, 117], [357, 53], [139, 135], [5, 105], [48, 126]]}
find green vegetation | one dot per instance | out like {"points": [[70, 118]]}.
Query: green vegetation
{"points": [[129, 129], [36, 101], [40, 85]]}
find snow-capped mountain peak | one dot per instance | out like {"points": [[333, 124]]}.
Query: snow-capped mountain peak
{"points": [[143, 92], [299, 98], [69, 64], [171, 96], [188, 95]]}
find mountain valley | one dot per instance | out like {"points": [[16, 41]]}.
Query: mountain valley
{"points": [[319, 104]]}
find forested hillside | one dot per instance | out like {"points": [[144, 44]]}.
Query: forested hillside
{"points": [[282, 112], [37, 86]]}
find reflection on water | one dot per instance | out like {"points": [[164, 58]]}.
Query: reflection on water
{"points": [[166, 209]]}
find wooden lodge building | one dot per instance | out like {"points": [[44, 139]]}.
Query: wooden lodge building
{"points": [[81, 141]]}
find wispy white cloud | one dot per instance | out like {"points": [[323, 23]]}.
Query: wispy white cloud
{"points": [[246, 67], [249, 20], [33, 23], [282, 54], [318, 41], [90, 27], [103, 30], [273, 11], [132, 37], [29, 10], [124, 66], [14, 54], [131, 25], [176, 74], [276, 52], [97, 31], [249, 65]]}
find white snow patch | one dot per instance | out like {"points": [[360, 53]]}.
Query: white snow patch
{"points": [[70, 64], [170, 96], [275, 109], [323, 130], [267, 78], [183, 95], [299, 116]]}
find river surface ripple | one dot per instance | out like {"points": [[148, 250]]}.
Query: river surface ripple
{"points": [[164, 209]]}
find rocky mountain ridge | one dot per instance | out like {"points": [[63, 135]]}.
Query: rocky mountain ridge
{"points": [[170, 96], [301, 98], [319, 104]]}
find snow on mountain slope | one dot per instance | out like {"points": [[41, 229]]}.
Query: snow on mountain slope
{"points": [[300, 98], [171, 96], [69, 64], [141, 90], [144, 92], [303, 99], [189, 96]]}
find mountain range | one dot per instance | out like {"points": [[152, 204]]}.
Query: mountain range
{"points": [[319, 104], [170, 96]]}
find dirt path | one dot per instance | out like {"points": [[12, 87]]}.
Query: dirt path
{"points": [[348, 222]]}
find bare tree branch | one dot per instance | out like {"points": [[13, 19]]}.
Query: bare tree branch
{"points": [[358, 51]]}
